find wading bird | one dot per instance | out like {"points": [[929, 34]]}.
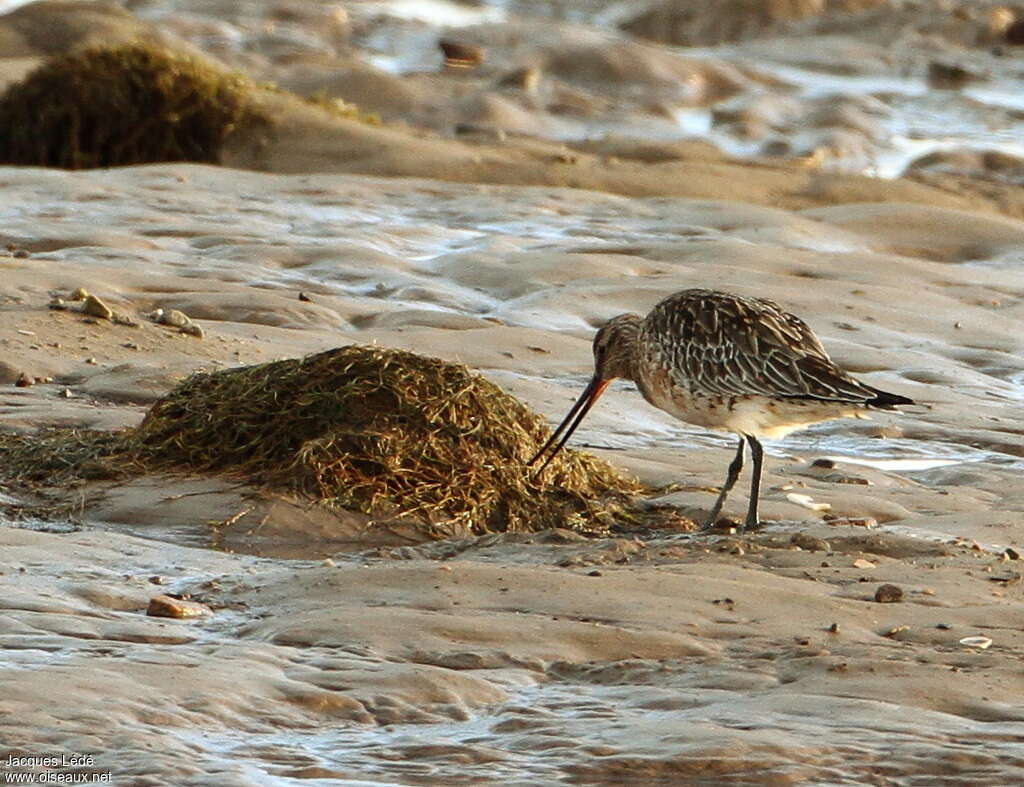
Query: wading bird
{"points": [[722, 361]]}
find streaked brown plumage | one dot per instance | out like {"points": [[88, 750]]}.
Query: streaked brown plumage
{"points": [[722, 361]]}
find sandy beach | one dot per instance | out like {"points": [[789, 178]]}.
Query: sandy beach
{"points": [[497, 219]]}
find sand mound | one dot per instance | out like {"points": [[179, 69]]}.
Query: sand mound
{"points": [[384, 432], [129, 104]]}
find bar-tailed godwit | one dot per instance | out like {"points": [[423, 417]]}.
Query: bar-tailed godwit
{"points": [[725, 362]]}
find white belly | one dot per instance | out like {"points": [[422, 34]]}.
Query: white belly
{"points": [[759, 416]]}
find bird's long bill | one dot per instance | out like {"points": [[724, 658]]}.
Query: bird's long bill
{"points": [[576, 415]]}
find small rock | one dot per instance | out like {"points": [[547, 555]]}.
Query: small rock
{"points": [[527, 78], [1015, 33], [862, 563], [20, 254], [810, 543], [193, 330], [173, 317], [24, 381], [94, 307], [57, 304], [66, 393], [888, 594], [459, 55], [328, 563], [594, 573], [91, 361], [169, 607], [976, 642], [157, 580], [1011, 553], [833, 629], [79, 294], [304, 297], [948, 76], [828, 464]]}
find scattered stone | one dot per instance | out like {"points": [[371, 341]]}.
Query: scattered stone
{"points": [[948, 76], [66, 393], [57, 304], [91, 361], [895, 631], [164, 606], [943, 626], [976, 642], [862, 563], [23, 332], [459, 55], [304, 297], [594, 573], [193, 330], [1011, 553], [130, 346], [328, 563], [24, 381], [810, 543], [20, 254], [119, 318], [828, 464], [172, 317], [79, 294], [1015, 33], [527, 78], [94, 307], [889, 594], [860, 521], [806, 501], [833, 629], [157, 580]]}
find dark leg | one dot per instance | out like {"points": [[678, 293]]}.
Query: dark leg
{"points": [[757, 455], [730, 481]]}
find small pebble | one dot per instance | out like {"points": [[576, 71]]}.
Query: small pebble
{"points": [[193, 330], [58, 304], [24, 381], [91, 361], [460, 55], [862, 563], [169, 607], [79, 294], [833, 629], [888, 594], [20, 254], [173, 317], [304, 297], [94, 307], [976, 642], [1011, 553], [809, 542]]}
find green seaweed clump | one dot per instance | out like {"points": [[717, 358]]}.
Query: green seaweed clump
{"points": [[120, 105]]}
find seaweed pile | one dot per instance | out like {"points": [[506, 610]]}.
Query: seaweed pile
{"points": [[389, 433], [128, 104]]}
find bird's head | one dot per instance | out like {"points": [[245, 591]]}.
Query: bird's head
{"points": [[614, 353], [615, 347]]}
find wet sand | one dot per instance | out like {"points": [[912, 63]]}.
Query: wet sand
{"points": [[341, 654]]}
